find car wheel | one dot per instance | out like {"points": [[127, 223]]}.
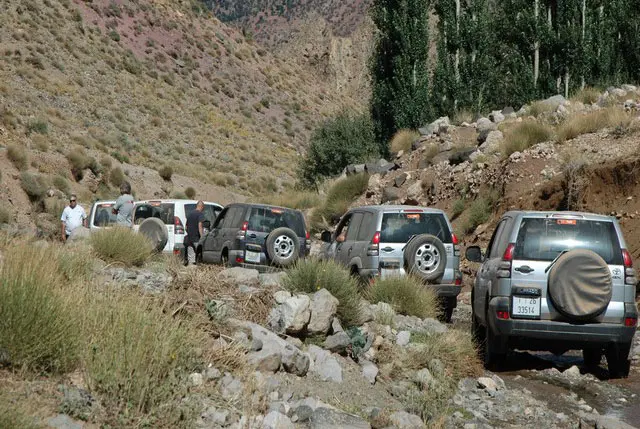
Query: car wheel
{"points": [[224, 259], [283, 247], [426, 257], [618, 360], [494, 353], [156, 232], [592, 357]]}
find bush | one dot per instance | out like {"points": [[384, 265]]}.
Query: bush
{"points": [[166, 172], [407, 295], [458, 208], [61, 183], [13, 418], [539, 107], [79, 162], [34, 185], [295, 199], [39, 126], [479, 213], [579, 123], [190, 193], [121, 245], [116, 176], [311, 275], [339, 198], [525, 135], [587, 95], [5, 215], [402, 140], [38, 318], [18, 156], [344, 140]]}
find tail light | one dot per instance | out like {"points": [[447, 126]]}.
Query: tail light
{"points": [[458, 281], [177, 224], [501, 314], [456, 248], [239, 259], [307, 235], [374, 247], [630, 322], [245, 226], [629, 272], [243, 231], [454, 239], [504, 269]]}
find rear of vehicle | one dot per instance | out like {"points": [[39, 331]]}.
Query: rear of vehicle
{"points": [[270, 236], [101, 215], [165, 212], [565, 281]]}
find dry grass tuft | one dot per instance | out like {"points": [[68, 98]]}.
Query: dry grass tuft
{"points": [[579, 123], [587, 95], [525, 135], [539, 107], [339, 198], [121, 245], [402, 140], [18, 156], [12, 417], [295, 199], [407, 295]]}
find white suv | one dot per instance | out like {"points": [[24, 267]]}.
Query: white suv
{"points": [[173, 213], [101, 215]]}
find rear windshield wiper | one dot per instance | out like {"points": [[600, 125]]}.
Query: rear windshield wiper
{"points": [[555, 260]]}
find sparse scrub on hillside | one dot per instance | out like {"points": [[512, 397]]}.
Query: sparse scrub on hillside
{"points": [[38, 126], [463, 115], [121, 245], [402, 140], [116, 176], [338, 142], [592, 122], [478, 213], [166, 172], [587, 95], [525, 135], [295, 199], [5, 216], [407, 295], [34, 185], [311, 275], [79, 162], [61, 184], [339, 198], [41, 143], [11, 417], [18, 156], [457, 209], [190, 192]]}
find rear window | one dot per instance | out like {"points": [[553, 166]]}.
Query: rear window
{"points": [[163, 211], [400, 227], [265, 219], [104, 215], [543, 239], [210, 212]]}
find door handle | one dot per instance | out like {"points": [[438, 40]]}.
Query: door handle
{"points": [[525, 269], [349, 251], [252, 236]]}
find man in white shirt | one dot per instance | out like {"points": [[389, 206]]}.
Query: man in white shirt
{"points": [[73, 216]]}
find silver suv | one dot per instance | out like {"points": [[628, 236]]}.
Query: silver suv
{"points": [[381, 241], [556, 281]]}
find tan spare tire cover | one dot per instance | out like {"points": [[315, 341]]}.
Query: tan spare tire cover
{"points": [[580, 284], [155, 230]]}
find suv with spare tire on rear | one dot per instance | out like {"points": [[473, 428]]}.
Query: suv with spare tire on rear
{"points": [[555, 281], [383, 241], [255, 236]]}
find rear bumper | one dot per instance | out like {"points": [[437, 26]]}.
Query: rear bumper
{"points": [[550, 335], [446, 290]]}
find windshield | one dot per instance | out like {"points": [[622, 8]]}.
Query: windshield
{"points": [[265, 219], [543, 239], [400, 227], [104, 215], [162, 211]]}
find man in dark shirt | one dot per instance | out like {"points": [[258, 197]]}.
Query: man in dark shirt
{"points": [[194, 232]]}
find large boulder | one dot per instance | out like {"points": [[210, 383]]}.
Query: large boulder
{"points": [[496, 117], [380, 166], [552, 103], [325, 365], [292, 316], [404, 420], [439, 126], [337, 342], [272, 279], [277, 420], [390, 194], [485, 124], [323, 309], [492, 143]]}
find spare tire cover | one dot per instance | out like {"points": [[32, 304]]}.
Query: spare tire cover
{"points": [[155, 230], [283, 247], [580, 284], [426, 257]]}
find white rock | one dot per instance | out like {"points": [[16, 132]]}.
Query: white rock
{"points": [[291, 316], [487, 384], [325, 365], [369, 371], [485, 124], [403, 338], [323, 309], [196, 379], [573, 372], [281, 296], [276, 420], [404, 420]]}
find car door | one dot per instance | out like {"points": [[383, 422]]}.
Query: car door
{"points": [[487, 271], [346, 251], [335, 248], [211, 246]]}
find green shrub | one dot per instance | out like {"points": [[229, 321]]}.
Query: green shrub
{"points": [[61, 183], [407, 295], [190, 193], [38, 317], [339, 198], [79, 162], [458, 208], [116, 176], [402, 140], [166, 172], [295, 199], [121, 245], [13, 418], [179, 195], [18, 156], [312, 275], [479, 213], [5, 215], [525, 135], [34, 185], [38, 126], [344, 140]]}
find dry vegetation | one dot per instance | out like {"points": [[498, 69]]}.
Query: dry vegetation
{"points": [[524, 135], [402, 140], [613, 118]]}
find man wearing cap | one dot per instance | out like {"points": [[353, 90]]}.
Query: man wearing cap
{"points": [[73, 216]]}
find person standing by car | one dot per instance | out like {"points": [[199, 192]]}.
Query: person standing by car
{"points": [[73, 216], [124, 206], [195, 230]]}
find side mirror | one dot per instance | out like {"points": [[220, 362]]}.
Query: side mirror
{"points": [[473, 254], [325, 236], [206, 224]]}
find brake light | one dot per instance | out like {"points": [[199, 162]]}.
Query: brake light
{"points": [[376, 238], [245, 226], [454, 239], [503, 315], [307, 235], [508, 253], [177, 223], [176, 252], [373, 249], [626, 257], [458, 282], [239, 259], [630, 322]]}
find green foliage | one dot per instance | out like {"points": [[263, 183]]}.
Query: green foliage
{"points": [[116, 177], [18, 156], [524, 135], [311, 275], [61, 184], [478, 214], [190, 192], [34, 185], [399, 67], [166, 172], [338, 142], [79, 162], [339, 198], [121, 245], [407, 295], [458, 208], [13, 418], [38, 126]]}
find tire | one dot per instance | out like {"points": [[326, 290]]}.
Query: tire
{"points": [[592, 358], [618, 360], [494, 355], [283, 247], [580, 285], [426, 257], [156, 231], [447, 304], [224, 258]]}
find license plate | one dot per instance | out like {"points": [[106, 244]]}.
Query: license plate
{"points": [[525, 306], [252, 257]]}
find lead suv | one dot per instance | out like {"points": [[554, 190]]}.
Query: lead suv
{"points": [[255, 235], [382, 241], [556, 281]]}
